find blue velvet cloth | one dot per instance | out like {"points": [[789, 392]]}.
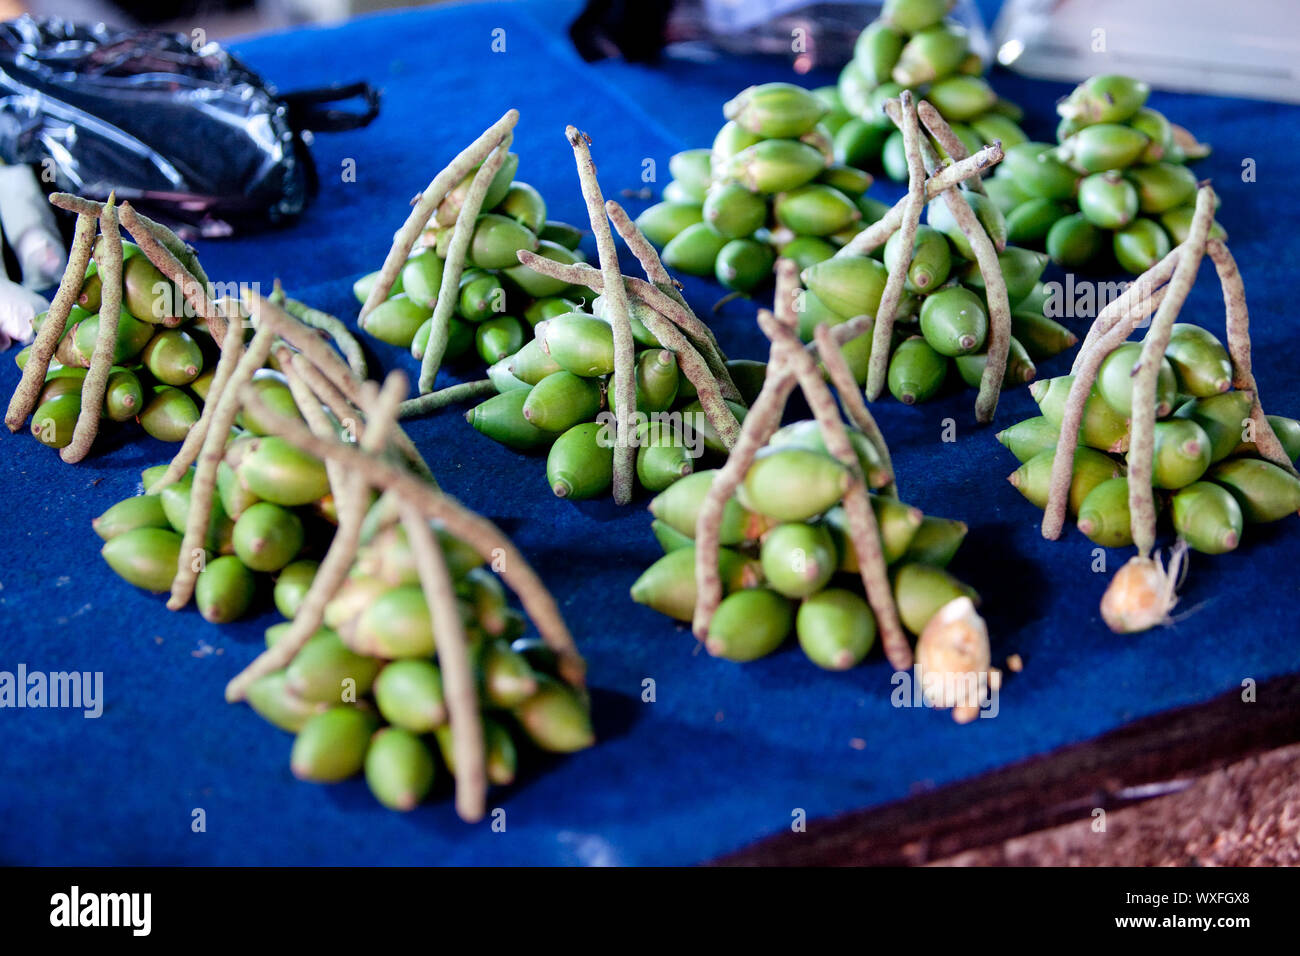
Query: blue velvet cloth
{"points": [[726, 753]]}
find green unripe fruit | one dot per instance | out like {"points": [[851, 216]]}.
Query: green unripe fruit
{"points": [[148, 294], [169, 414], [776, 165], [1200, 362], [661, 463], [525, 205], [1140, 245], [1104, 515], [1007, 195], [808, 434], [1287, 431], [145, 557], [897, 522], [361, 287], [55, 419], [693, 170], [996, 128], [1020, 367], [224, 590], [1162, 186], [395, 624], [960, 98], [501, 418], [272, 701], [1158, 130], [278, 472], [1095, 149], [532, 363], [1091, 468], [731, 139], [123, 396], [694, 250], [422, 278], [657, 380], [1222, 417], [732, 210], [774, 110], [409, 695], [858, 142], [1027, 438], [560, 401], [1263, 490], [1035, 169], [1108, 200], [141, 511], [836, 628], [497, 240], [1105, 98], [536, 285], [1115, 381], [793, 484], [931, 259], [555, 718], [1073, 241], [332, 745], [954, 322], [399, 769], [497, 338], [916, 371], [1178, 223], [848, 285], [936, 541], [893, 157], [581, 462], [669, 538], [132, 336], [173, 357], [1030, 221], [679, 506], [663, 221], [267, 536], [396, 320], [668, 585], [273, 391], [798, 559], [909, 16], [876, 51], [1208, 517], [807, 251], [292, 586], [742, 264], [561, 233], [921, 589], [327, 671], [849, 180], [931, 54], [815, 210], [1101, 427], [1042, 337], [481, 296], [749, 624]]}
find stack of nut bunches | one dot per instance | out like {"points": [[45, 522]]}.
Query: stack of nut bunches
{"points": [[1186, 414], [911, 46], [498, 300], [365, 693], [1211, 479], [159, 362], [786, 561], [676, 393], [272, 515], [1115, 191]]}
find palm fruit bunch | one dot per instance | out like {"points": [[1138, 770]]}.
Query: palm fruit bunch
{"points": [[498, 300], [769, 185], [786, 561], [942, 322], [365, 693], [1115, 190], [271, 515], [911, 46], [1209, 477], [161, 355], [556, 393]]}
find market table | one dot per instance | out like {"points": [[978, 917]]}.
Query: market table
{"points": [[726, 754]]}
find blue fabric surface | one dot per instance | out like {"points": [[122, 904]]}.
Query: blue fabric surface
{"points": [[727, 752]]}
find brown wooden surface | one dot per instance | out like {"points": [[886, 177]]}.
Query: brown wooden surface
{"points": [[1147, 759]]}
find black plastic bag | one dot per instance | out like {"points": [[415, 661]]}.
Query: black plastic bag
{"points": [[194, 137]]}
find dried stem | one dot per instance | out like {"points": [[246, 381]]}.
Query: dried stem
{"points": [[938, 127], [882, 335], [1131, 299], [336, 329], [194, 291], [325, 391], [460, 167], [28, 391], [194, 541], [1141, 497], [851, 398], [616, 311], [231, 349], [454, 264], [93, 386], [468, 747], [864, 532], [1237, 321], [451, 395]]}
